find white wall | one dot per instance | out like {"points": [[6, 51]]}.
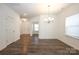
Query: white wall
{"points": [[25, 27], [47, 30], [9, 26], [71, 10]]}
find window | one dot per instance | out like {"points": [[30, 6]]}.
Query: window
{"points": [[72, 26], [36, 27]]}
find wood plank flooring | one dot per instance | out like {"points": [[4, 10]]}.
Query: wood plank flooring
{"points": [[33, 46]]}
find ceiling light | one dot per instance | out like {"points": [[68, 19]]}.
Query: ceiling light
{"points": [[24, 19]]}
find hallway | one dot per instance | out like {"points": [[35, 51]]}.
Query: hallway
{"points": [[25, 46]]}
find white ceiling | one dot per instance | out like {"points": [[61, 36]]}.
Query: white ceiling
{"points": [[34, 9]]}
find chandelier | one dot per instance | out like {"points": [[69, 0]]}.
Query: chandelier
{"points": [[49, 18]]}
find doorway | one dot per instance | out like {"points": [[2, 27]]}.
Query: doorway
{"points": [[35, 33]]}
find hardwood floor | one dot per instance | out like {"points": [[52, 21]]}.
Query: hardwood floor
{"points": [[19, 47], [35, 46]]}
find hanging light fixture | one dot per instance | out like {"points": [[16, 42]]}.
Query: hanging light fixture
{"points": [[49, 19], [23, 19]]}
